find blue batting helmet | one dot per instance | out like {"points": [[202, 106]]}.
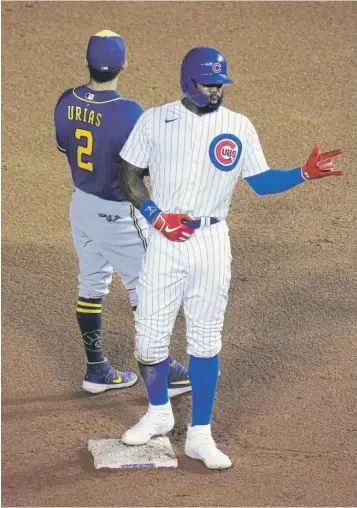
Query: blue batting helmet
{"points": [[206, 66]]}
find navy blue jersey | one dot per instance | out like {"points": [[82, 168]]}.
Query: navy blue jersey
{"points": [[91, 129]]}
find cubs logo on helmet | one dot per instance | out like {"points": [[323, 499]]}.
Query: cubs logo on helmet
{"points": [[217, 67], [225, 151]]}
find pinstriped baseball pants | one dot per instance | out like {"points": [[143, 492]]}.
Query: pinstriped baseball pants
{"points": [[197, 272]]}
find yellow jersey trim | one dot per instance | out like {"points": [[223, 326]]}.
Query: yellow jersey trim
{"points": [[94, 102]]}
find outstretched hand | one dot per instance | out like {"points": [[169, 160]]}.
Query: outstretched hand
{"points": [[319, 165]]}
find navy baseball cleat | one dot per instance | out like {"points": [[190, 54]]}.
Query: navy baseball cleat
{"points": [[178, 380], [102, 376]]}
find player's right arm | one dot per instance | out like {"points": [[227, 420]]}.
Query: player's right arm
{"points": [[134, 165], [135, 158], [132, 183]]}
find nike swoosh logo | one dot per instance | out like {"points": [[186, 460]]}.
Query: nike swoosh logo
{"points": [[170, 230], [168, 121]]}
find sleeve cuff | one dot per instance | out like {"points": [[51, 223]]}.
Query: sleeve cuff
{"points": [[61, 149]]}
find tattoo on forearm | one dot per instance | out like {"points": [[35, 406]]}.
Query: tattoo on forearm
{"points": [[131, 181]]}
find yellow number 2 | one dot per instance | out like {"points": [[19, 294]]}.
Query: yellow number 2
{"points": [[84, 150]]}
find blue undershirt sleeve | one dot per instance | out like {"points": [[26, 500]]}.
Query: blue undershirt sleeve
{"points": [[274, 181]]}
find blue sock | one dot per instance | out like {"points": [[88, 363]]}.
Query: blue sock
{"points": [[203, 374], [155, 379]]}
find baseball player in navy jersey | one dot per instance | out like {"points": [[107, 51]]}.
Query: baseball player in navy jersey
{"points": [[195, 150], [92, 124]]}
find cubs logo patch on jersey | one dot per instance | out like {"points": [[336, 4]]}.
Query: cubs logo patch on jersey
{"points": [[225, 151]]}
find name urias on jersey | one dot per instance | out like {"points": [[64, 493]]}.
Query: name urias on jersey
{"points": [[79, 114]]}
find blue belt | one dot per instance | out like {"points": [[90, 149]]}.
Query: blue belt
{"points": [[201, 222]]}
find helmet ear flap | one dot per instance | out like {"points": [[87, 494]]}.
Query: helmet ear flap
{"points": [[190, 90], [184, 86]]}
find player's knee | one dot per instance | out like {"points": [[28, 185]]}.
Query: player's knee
{"points": [[88, 292], [150, 346], [133, 297], [151, 355], [152, 336], [92, 287], [204, 340], [204, 350]]}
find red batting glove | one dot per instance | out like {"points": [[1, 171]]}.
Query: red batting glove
{"points": [[170, 225], [319, 164]]}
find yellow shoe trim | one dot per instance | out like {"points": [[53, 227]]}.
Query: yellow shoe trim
{"points": [[117, 380], [89, 311], [88, 304], [186, 382]]}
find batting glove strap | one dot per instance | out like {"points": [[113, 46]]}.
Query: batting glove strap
{"points": [[159, 222]]}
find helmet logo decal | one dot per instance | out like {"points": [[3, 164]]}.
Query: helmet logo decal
{"points": [[217, 67], [225, 151]]}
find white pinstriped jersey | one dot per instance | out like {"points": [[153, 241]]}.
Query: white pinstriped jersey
{"points": [[194, 161]]}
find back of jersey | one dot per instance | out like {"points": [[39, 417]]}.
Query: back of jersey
{"points": [[91, 129]]}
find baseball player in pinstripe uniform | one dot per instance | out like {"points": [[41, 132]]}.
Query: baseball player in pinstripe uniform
{"points": [[92, 124], [195, 150]]}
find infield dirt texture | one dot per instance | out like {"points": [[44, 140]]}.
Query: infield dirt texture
{"points": [[286, 408]]}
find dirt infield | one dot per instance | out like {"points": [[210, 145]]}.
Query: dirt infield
{"points": [[286, 408]]}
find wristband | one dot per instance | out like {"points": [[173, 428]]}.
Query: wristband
{"points": [[149, 210]]}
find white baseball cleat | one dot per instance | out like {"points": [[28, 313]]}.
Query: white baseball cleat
{"points": [[200, 445], [158, 421]]}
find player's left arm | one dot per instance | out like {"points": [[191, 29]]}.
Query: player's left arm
{"points": [[135, 159], [61, 145], [264, 180]]}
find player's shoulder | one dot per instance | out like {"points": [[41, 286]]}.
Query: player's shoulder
{"points": [[163, 108], [67, 93], [155, 113], [239, 119], [128, 105], [235, 114], [169, 107], [128, 109]]}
